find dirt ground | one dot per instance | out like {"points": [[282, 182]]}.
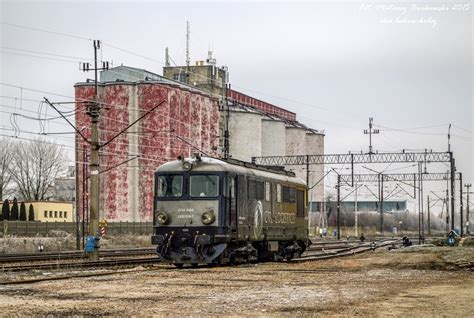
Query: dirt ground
{"points": [[414, 282]]}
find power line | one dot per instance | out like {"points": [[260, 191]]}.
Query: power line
{"points": [[38, 57], [161, 63], [46, 31], [45, 53]]}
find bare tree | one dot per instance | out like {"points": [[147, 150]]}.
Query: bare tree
{"points": [[36, 165], [6, 156]]}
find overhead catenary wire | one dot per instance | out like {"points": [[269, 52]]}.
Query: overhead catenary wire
{"points": [[159, 62]]}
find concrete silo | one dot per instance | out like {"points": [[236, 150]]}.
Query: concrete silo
{"points": [[245, 131], [273, 137]]}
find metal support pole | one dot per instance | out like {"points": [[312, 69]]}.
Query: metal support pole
{"points": [[453, 169], [461, 219], [355, 212], [94, 165], [338, 206], [467, 209], [84, 191], [307, 170], [419, 203], [77, 198], [352, 169], [447, 206], [414, 186], [422, 210], [429, 216], [381, 204]]}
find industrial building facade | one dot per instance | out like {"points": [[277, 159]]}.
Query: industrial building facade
{"points": [[196, 118]]}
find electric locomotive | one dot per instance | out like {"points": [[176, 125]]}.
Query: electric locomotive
{"points": [[211, 211]]}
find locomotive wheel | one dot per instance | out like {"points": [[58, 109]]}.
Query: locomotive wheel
{"points": [[178, 265]]}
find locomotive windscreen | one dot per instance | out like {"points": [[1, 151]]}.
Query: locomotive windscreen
{"points": [[204, 185], [170, 186]]}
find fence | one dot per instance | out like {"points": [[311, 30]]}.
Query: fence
{"points": [[33, 228]]}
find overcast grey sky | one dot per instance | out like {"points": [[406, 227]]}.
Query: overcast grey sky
{"points": [[407, 64]]}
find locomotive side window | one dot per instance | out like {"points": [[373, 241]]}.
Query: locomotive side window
{"points": [[278, 192], [267, 191], [292, 195], [252, 186], [260, 190], [286, 194], [170, 186], [256, 189], [204, 185], [289, 194], [300, 203]]}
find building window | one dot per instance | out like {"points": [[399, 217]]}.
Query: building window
{"points": [[181, 76], [50, 214], [55, 214], [65, 214], [45, 214], [60, 214]]}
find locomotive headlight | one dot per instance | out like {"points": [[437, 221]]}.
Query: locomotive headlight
{"points": [[162, 218], [187, 165], [208, 217]]}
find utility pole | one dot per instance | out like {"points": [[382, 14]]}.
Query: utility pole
{"points": [[370, 132], [94, 195], [468, 185], [338, 206]]}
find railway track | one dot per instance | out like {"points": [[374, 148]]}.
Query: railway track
{"points": [[342, 251], [329, 251], [67, 255], [84, 264]]}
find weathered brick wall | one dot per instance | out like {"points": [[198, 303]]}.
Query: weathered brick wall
{"points": [[127, 190]]}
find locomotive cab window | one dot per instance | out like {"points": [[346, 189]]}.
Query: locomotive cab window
{"points": [[170, 186], [204, 185], [289, 194]]}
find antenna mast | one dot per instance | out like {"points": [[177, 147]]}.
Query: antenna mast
{"points": [[167, 58], [188, 60], [370, 132], [449, 138]]}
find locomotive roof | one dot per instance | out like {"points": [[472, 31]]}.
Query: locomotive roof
{"points": [[207, 164]]}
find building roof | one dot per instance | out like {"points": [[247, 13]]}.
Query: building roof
{"points": [[133, 75]]}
